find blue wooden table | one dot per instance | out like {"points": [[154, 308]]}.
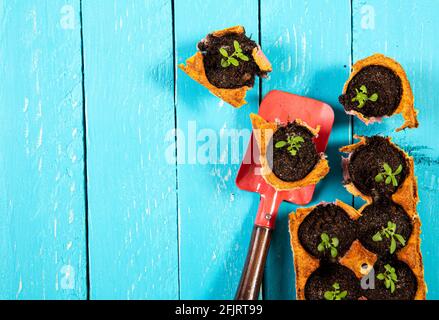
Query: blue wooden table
{"points": [[94, 203]]}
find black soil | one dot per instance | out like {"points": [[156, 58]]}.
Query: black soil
{"points": [[377, 79], [374, 218], [230, 77], [367, 162], [325, 276], [286, 166], [406, 284], [333, 221]]}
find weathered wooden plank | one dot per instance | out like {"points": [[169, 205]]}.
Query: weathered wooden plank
{"points": [[309, 44], [42, 229], [132, 189], [216, 218], [407, 31]]}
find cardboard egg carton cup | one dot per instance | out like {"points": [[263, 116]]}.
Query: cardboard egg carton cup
{"points": [[358, 259]]}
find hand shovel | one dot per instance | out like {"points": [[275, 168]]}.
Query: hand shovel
{"points": [[285, 107]]}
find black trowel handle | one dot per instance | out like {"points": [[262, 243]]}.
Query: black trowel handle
{"points": [[253, 272]]}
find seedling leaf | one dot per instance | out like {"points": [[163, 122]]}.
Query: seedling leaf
{"points": [[243, 57], [293, 143], [280, 144], [400, 238], [387, 168], [390, 233], [392, 286], [329, 295], [232, 59], [328, 243], [373, 97], [387, 283], [389, 277], [377, 237], [392, 245], [224, 52], [394, 181], [237, 46], [225, 63], [361, 97], [389, 175], [335, 294]]}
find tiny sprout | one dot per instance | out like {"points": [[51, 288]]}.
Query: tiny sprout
{"points": [[389, 233], [389, 277], [327, 243], [388, 175], [335, 294], [231, 60], [293, 142], [362, 97]]}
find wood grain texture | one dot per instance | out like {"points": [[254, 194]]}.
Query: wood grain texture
{"points": [[42, 228], [216, 218], [157, 230], [132, 188], [407, 31], [308, 43]]}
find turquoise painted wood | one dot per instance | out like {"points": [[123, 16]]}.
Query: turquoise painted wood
{"points": [[132, 201], [309, 44], [215, 217], [407, 31], [160, 226], [42, 215]]}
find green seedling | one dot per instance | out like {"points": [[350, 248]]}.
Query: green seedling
{"points": [[293, 143], [227, 60], [388, 175], [335, 294], [389, 277], [328, 243], [362, 97], [390, 233]]}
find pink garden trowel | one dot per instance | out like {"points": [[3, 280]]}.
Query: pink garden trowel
{"points": [[285, 107]]}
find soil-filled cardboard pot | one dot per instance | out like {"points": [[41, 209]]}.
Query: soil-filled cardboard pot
{"points": [[405, 284], [333, 221], [379, 86], [373, 223], [370, 160], [230, 76], [326, 276], [289, 163]]}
